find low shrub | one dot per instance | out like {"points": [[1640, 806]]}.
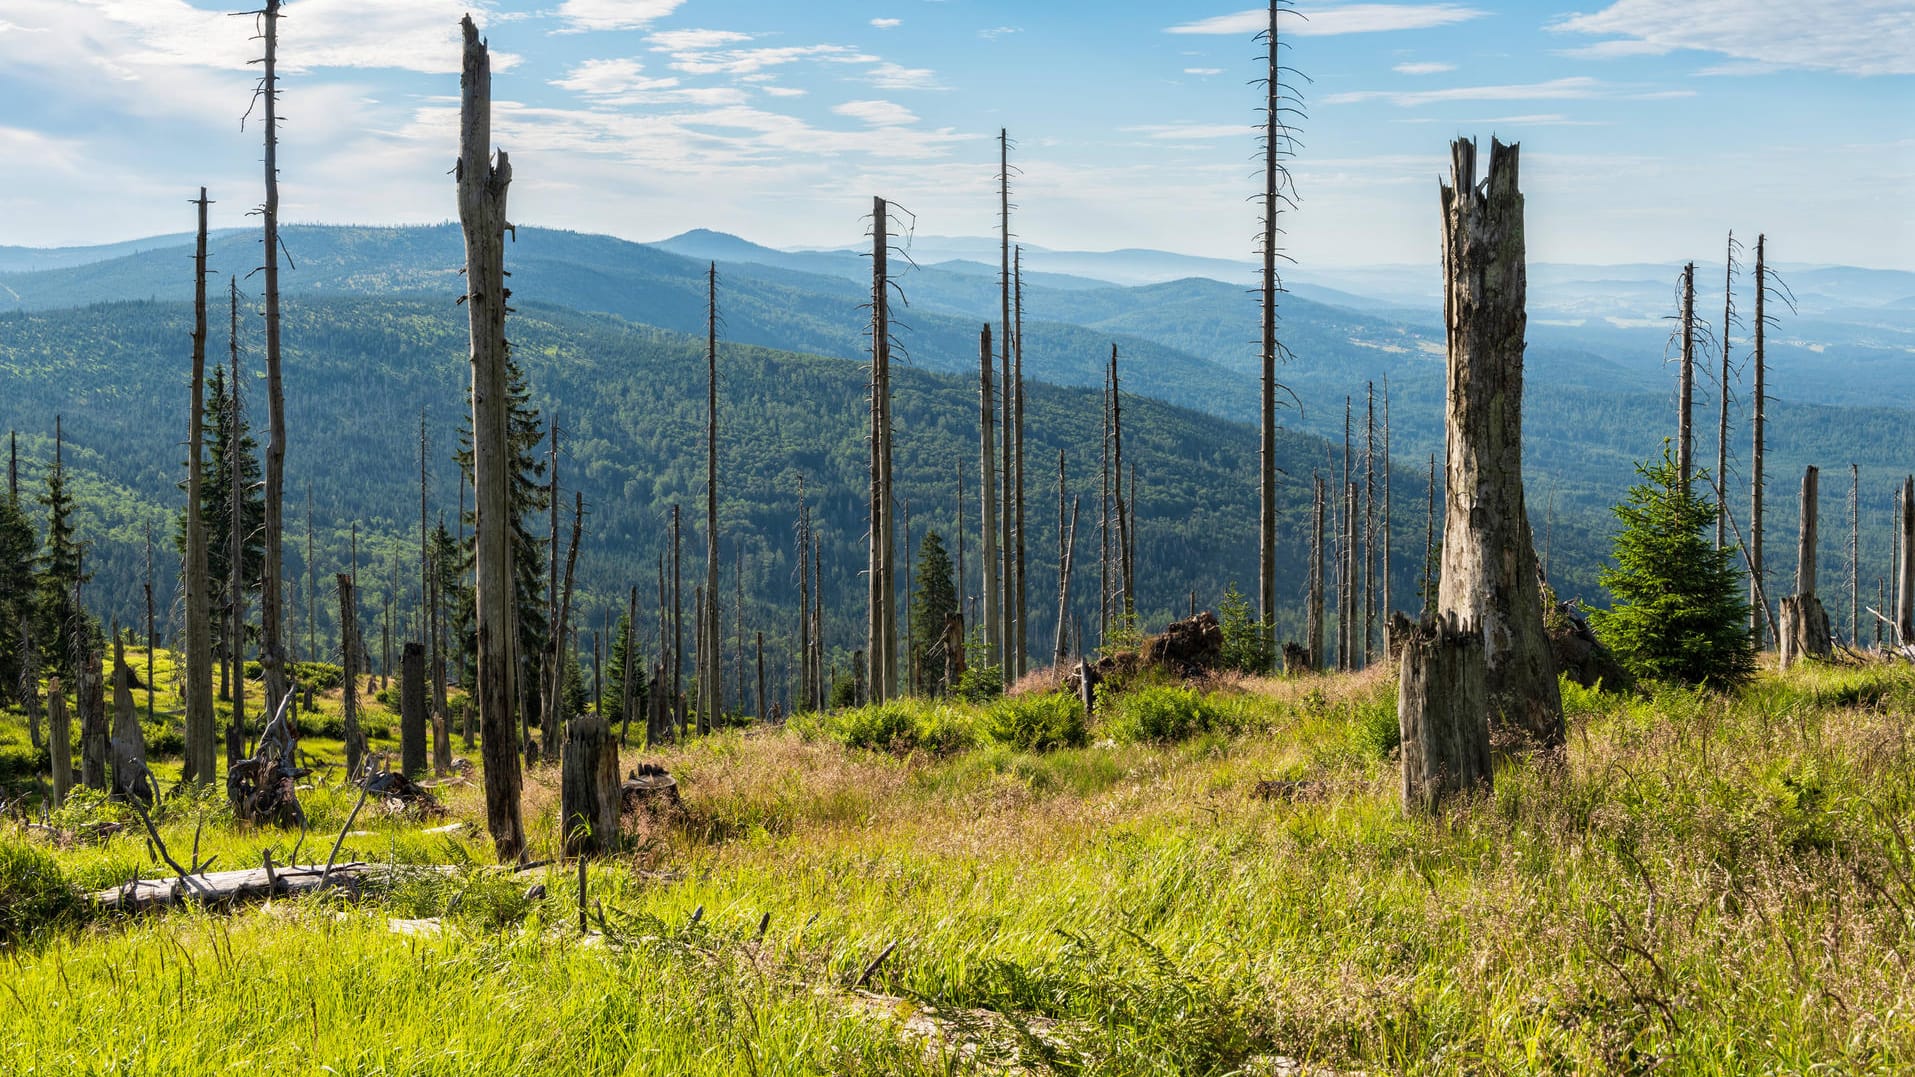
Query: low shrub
{"points": [[1374, 729], [1163, 714], [1038, 723], [897, 726], [35, 895]]}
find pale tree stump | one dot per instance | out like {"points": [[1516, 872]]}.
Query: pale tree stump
{"points": [[1804, 624], [1442, 708], [589, 788], [59, 741], [93, 727]]}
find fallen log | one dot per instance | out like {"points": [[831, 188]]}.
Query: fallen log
{"points": [[218, 888]]}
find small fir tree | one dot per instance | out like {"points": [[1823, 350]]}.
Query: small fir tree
{"points": [[1246, 640], [1679, 613], [934, 602], [614, 702]]}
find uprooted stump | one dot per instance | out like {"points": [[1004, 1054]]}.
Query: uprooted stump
{"points": [[1186, 650], [264, 789], [400, 795]]}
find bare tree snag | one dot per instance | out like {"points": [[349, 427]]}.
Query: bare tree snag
{"points": [[1686, 398], [1442, 709], [1007, 614], [1722, 396], [1489, 558], [1313, 616], [1759, 401], [554, 712], [128, 744], [1905, 567], [482, 184], [589, 788], [349, 663], [235, 551], [881, 607], [1020, 655], [987, 466], [94, 739], [59, 741], [200, 736], [412, 708], [1804, 621], [272, 655], [1273, 179], [1127, 610]]}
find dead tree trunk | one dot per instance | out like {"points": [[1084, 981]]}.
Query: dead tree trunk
{"points": [[482, 184], [59, 741], [1442, 708], [1008, 615], [272, 655], [1685, 417], [987, 466], [1804, 621], [94, 739], [235, 552], [1369, 523], [1127, 610], [1346, 587], [1313, 617], [1759, 402], [412, 708], [1273, 179], [1855, 555], [1489, 558], [349, 699], [589, 788], [1383, 571], [554, 712], [711, 687], [678, 629], [881, 613], [200, 735], [1021, 645], [1905, 568], [1722, 398], [128, 744]]}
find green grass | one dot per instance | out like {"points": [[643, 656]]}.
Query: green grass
{"points": [[1701, 885]]}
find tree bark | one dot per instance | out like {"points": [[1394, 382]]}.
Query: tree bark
{"points": [[235, 553], [412, 708], [272, 660], [1267, 400], [482, 187], [1758, 424], [349, 698], [93, 723], [1685, 417], [128, 743], [1021, 651], [589, 788], [1313, 617], [59, 741], [1489, 558], [1905, 568], [987, 466], [880, 624], [199, 733], [1442, 709]]}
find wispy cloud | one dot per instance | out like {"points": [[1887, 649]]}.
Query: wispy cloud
{"points": [[1543, 119], [877, 113], [1860, 37], [583, 15], [1203, 71], [1423, 67], [996, 32], [1329, 21], [887, 24], [1191, 132], [889, 76], [1572, 88]]}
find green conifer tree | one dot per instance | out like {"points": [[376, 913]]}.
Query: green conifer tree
{"points": [[615, 677], [933, 602], [63, 624], [1679, 612], [19, 558]]}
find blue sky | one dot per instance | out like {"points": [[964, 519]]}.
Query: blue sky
{"points": [[1649, 128]]}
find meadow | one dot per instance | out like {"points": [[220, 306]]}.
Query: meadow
{"points": [[1209, 880]]}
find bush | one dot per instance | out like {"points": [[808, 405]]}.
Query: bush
{"points": [[35, 896], [332, 726], [318, 676], [901, 726], [1375, 731], [1246, 646], [981, 684], [1163, 714], [1038, 723]]}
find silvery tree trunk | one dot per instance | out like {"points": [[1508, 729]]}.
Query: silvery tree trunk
{"points": [[1489, 560], [199, 733]]}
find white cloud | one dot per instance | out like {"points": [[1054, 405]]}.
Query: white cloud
{"points": [[996, 32], [1543, 119], [1325, 22], [581, 15], [1423, 67], [1860, 37], [890, 76], [604, 78], [877, 113], [693, 40], [783, 91], [750, 61], [1191, 132], [1203, 71], [1572, 88], [1616, 49], [887, 24]]}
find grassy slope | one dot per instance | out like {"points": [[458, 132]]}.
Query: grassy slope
{"points": [[1721, 885]]}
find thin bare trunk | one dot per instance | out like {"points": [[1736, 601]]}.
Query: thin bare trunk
{"points": [[271, 644], [1685, 416], [1021, 650], [200, 734], [987, 466], [1267, 401], [711, 679], [1722, 397], [1313, 618], [1759, 401]]}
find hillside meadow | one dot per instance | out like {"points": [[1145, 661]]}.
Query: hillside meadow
{"points": [[1213, 880]]}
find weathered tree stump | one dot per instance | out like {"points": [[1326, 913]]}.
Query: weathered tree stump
{"points": [[128, 743], [589, 794], [1489, 577], [412, 709], [1296, 658], [264, 790], [1905, 566], [93, 727], [59, 741], [1803, 623], [651, 788], [1442, 708]]}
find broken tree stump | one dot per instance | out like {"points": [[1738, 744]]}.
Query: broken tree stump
{"points": [[1489, 576], [412, 709], [1804, 624], [649, 787], [59, 741], [127, 746], [1442, 709], [589, 792], [93, 729]]}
